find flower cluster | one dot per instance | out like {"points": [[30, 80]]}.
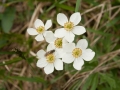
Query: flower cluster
{"points": [[61, 47]]}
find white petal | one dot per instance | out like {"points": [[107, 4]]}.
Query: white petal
{"points": [[60, 33], [32, 31], [64, 42], [69, 36], [50, 47], [61, 19], [39, 37], [42, 63], [68, 58], [41, 53], [57, 55], [49, 68], [69, 47], [49, 37], [38, 23], [60, 52], [78, 30], [78, 63], [83, 44], [48, 24], [45, 33], [58, 64], [75, 18], [88, 54]]}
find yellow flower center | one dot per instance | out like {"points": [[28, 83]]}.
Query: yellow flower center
{"points": [[77, 52], [50, 58], [40, 29], [58, 43], [68, 26]]}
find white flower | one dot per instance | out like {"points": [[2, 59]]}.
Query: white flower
{"points": [[49, 60], [40, 29], [78, 53], [55, 43], [70, 27]]}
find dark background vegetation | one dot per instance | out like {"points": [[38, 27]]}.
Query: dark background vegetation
{"points": [[18, 70]]}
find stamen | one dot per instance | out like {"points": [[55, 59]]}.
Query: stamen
{"points": [[40, 29], [50, 58], [77, 52], [58, 43], [68, 26]]}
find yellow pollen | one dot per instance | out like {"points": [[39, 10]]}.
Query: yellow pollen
{"points": [[77, 52], [40, 29], [50, 58], [58, 43], [68, 26]]}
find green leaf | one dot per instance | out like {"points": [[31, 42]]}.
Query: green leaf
{"points": [[53, 5], [75, 86], [2, 72], [55, 79], [30, 79], [94, 82], [100, 32], [109, 80], [30, 4], [66, 7], [7, 19], [6, 52], [88, 82], [3, 41], [78, 3], [91, 2], [113, 22], [14, 60]]}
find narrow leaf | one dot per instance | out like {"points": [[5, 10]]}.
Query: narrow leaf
{"points": [[109, 80], [7, 20], [94, 82], [77, 5], [30, 79]]}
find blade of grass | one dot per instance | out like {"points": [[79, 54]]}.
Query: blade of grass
{"points": [[10, 61], [30, 79], [77, 5], [66, 7], [53, 5]]}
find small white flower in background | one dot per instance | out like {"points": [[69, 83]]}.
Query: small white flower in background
{"points": [[70, 27], [78, 53], [55, 43], [49, 60], [40, 29]]}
